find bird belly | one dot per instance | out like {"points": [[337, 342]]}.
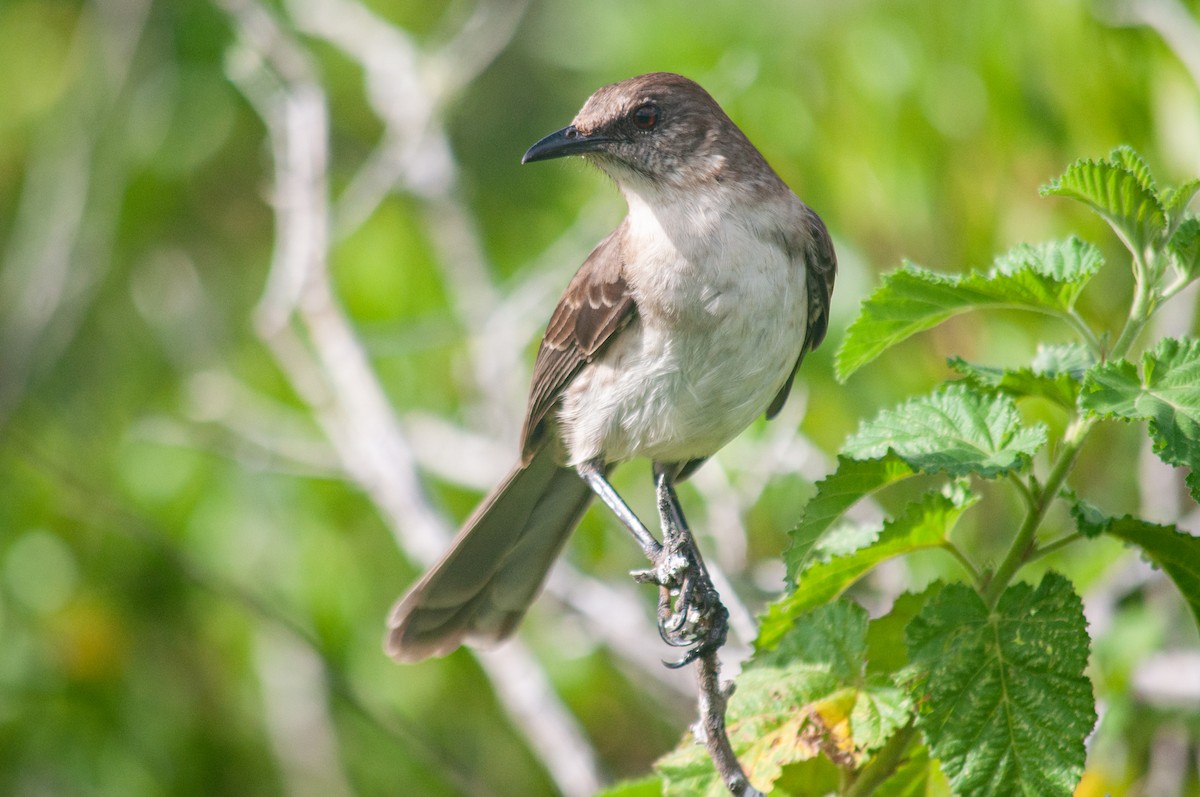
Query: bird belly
{"points": [[674, 387]]}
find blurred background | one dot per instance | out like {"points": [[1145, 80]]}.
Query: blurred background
{"points": [[271, 280]]}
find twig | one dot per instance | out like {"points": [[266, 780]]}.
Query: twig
{"points": [[884, 763], [298, 723], [711, 727]]}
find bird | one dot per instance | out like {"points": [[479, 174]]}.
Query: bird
{"points": [[683, 325]]}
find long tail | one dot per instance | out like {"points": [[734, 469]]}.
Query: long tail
{"points": [[495, 567]]}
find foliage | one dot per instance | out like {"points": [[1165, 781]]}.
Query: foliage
{"points": [[995, 668]]}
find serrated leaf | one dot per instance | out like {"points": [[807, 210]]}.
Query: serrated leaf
{"points": [[1175, 551], [886, 649], [769, 719], [1119, 195], [1006, 702], [1184, 249], [1055, 374], [832, 636], [1175, 200], [853, 480], [881, 709], [1046, 278], [809, 697], [956, 430], [1128, 159], [923, 524], [1167, 394]]}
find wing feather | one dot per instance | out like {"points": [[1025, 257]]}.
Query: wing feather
{"points": [[595, 306], [809, 243]]}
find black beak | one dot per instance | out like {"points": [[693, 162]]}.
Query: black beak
{"points": [[562, 143]]}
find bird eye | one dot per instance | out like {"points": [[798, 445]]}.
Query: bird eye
{"points": [[646, 116]]}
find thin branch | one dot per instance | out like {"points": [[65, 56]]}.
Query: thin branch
{"points": [[710, 729], [408, 90], [299, 727]]}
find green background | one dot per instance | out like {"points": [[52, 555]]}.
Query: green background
{"points": [[199, 515]]}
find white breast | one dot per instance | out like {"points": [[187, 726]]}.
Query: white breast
{"points": [[721, 320]]}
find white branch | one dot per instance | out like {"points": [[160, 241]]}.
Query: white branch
{"points": [[331, 371]]}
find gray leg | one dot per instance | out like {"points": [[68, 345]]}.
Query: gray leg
{"points": [[690, 613], [696, 618], [593, 474]]}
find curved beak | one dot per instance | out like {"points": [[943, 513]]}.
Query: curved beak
{"points": [[562, 143]]}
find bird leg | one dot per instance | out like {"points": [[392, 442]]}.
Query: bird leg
{"points": [[690, 613], [594, 476]]}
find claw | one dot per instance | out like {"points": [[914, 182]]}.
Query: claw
{"points": [[648, 576]]}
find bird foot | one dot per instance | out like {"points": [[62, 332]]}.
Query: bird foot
{"points": [[690, 613]]}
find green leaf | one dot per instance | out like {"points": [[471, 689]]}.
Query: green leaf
{"points": [[956, 430], [1006, 704], [923, 524], [1167, 394], [1173, 550], [1089, 518], [1175, 200], [853, 480], [1121, 192], [886, 649], [1046, 278], [832, 636], [918, 776], [642, 787], [1055, 374], [809, 697], [1184, 249], [1128, 159]]}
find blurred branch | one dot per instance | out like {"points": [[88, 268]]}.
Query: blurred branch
{"points": [[66, 217], [408, 90], [1170, 19], [298, 723], [329, 368]]}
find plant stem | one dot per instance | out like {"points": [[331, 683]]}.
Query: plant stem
{"points": [[1022, 546], [1049, 548], [1085, 331], [1022, 489], [883, 764], [966, 563], [1144, 301]]}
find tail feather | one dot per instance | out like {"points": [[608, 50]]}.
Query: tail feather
{"points": [[495, 567]]}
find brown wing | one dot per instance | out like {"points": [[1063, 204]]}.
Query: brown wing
{"points": [[595, 305], [809, 243]]}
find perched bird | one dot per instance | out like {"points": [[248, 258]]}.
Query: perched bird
{"points": [[683, 325]]}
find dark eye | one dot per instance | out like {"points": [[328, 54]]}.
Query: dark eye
{"points": [[646, 117]]}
